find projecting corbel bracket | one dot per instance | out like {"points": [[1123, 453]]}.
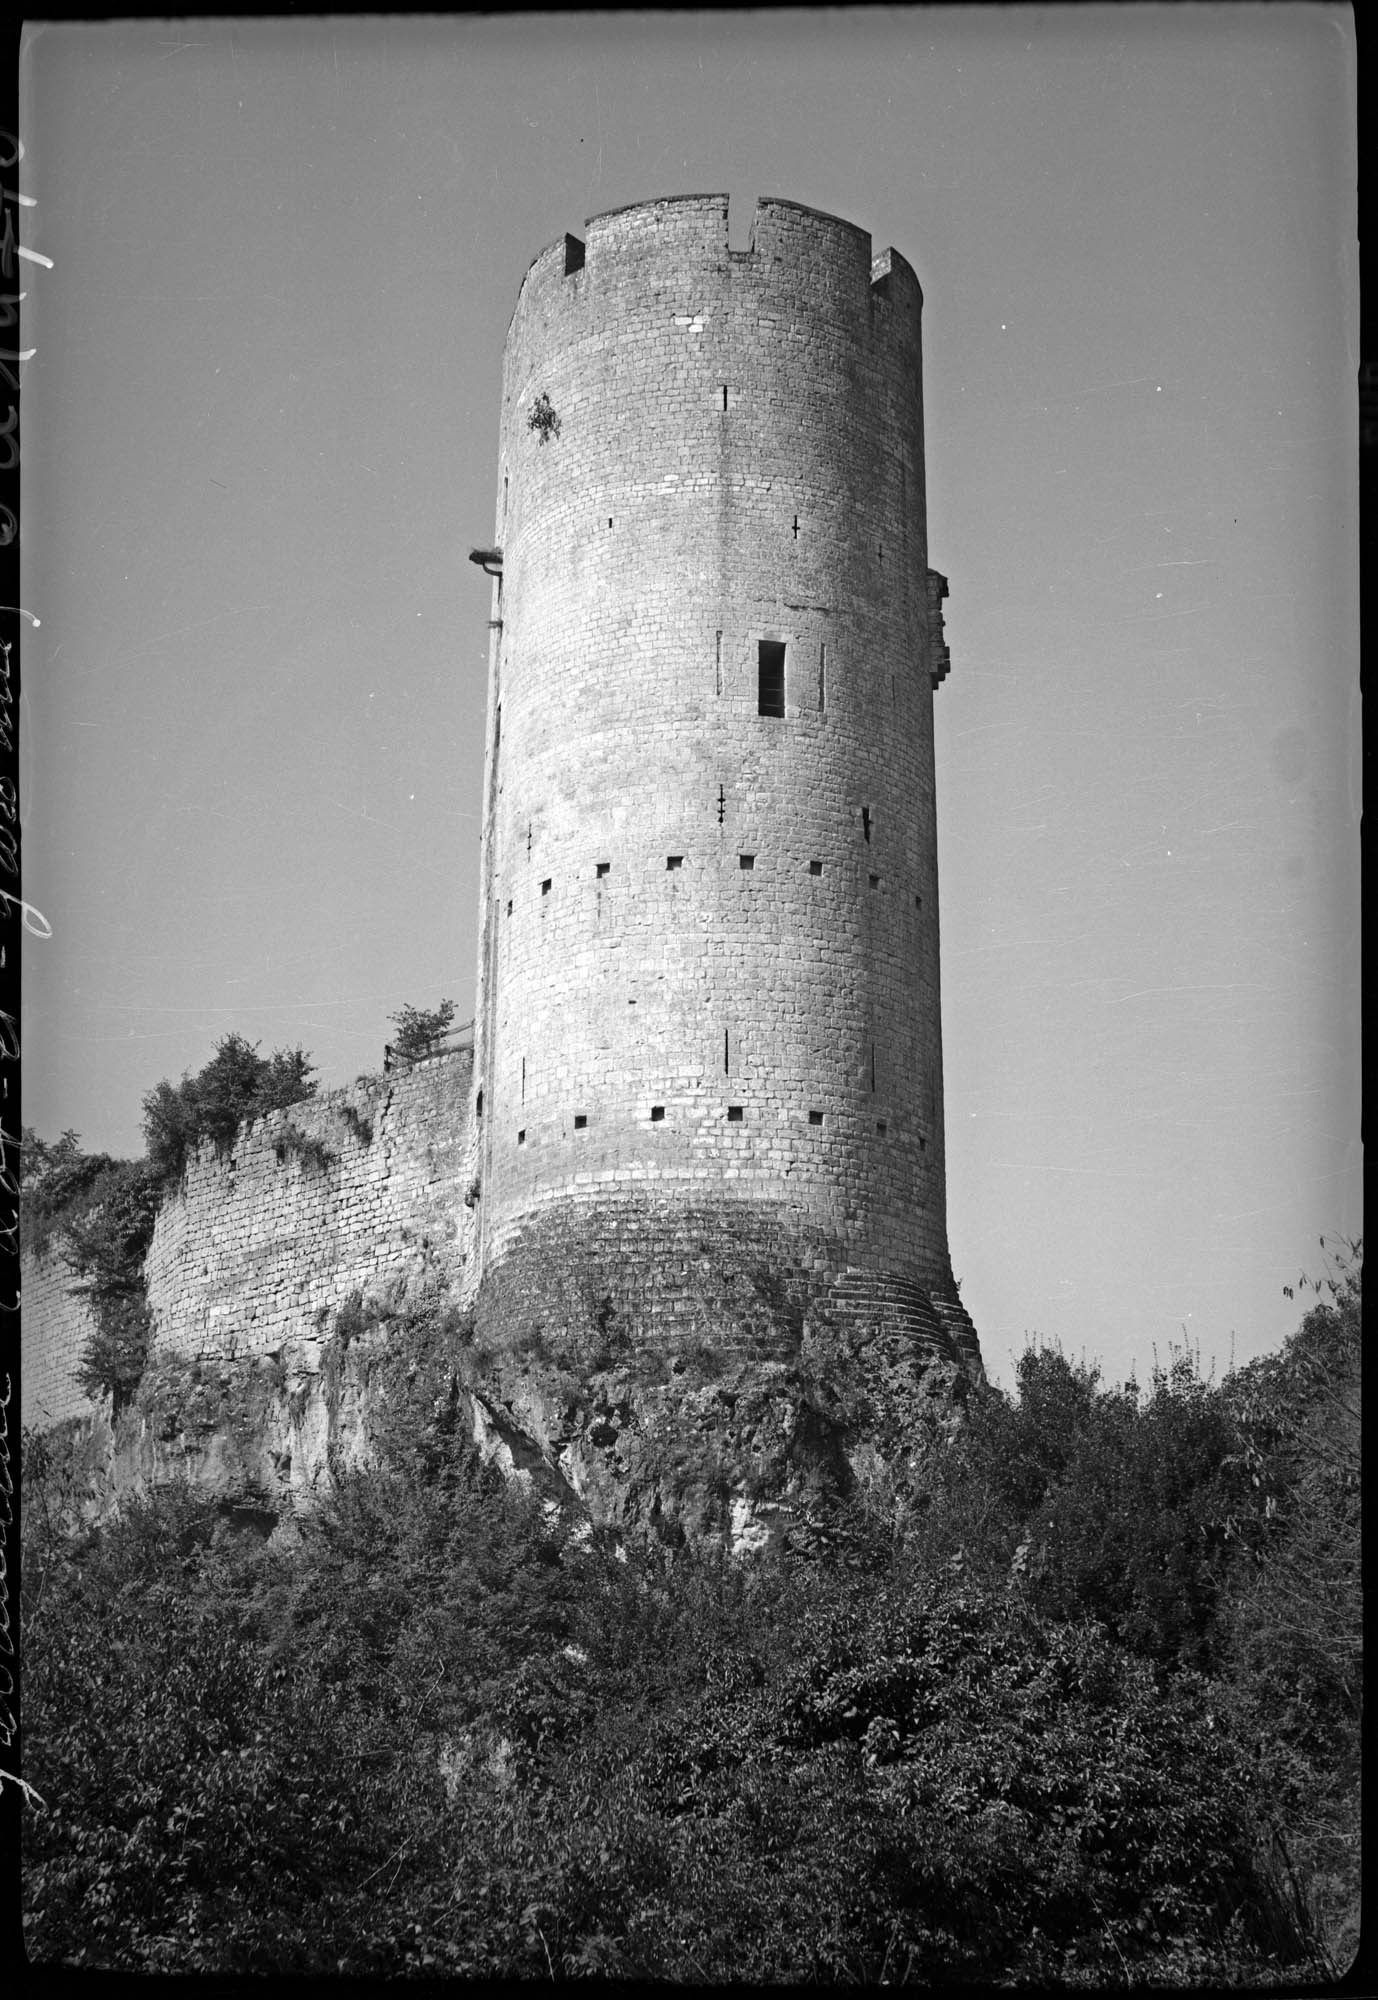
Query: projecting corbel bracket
{"points": [[488, 560]]}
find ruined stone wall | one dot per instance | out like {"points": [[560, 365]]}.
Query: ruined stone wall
{"points": [[709, 947], [263, 1244], [55, 1324]]}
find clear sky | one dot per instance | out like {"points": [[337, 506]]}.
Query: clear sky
{"points": [[260, 437]]}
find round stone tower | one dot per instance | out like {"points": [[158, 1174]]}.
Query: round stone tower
{"points": [[708, 1021]]}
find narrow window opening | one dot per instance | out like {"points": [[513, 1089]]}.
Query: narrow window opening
{"points": [[796, 527], [523, 1079], [923, 1143], [724, 395], [873, 1065], [504, 499], [875, 881], [722, 804], [657, 1114], [521, 1137], [770, 654], [815, 868], [478, 1105], [528, 840], [746, 861], [509, 906], [610, 520], [602, 868], [726, 1049], [918, 902], [881, 1127], [717, 667], [580, 1120], [734, 1114], [880, 553], [673, 861], [545, 886], [815, 1118], [822, 679], [866, 824], [574, 255]]}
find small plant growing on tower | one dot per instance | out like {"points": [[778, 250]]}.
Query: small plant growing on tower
{"points": [[543, 419], [420, 1030]]}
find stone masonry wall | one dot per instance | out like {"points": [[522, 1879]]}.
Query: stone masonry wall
{"points": [[264, 1244], [55, 1325], [709, 947]]}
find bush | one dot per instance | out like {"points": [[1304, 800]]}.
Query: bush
{"points": [[420, 1030], [55, 1180], [107, 1240], [236, 1085]]}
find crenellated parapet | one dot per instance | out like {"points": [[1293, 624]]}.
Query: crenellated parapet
{"points": [[683, 239]]}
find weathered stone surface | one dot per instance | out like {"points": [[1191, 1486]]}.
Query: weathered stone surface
{"points": [[265, 1242], [709, 937], [694, 1180]]}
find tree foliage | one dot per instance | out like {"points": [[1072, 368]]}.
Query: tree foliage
{"points": [[420, 1030], [235, 1086], [1067, 1707], [55, 1179]]}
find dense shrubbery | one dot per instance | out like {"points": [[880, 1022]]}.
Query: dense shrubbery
{"points": [[419, 1031], [237, 1084], [1078, 1705]]}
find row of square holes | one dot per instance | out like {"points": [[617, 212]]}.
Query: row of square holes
{"points": [[736, 1115], [674, 862]]}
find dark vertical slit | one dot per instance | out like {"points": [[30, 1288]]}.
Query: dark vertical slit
{"points": [[726, 1049], [822, 678], [873, 1065], [524, 1080], [722, 805], [717, 666]]}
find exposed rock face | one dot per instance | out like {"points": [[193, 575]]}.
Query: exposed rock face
{"points": [[696, 1440]]}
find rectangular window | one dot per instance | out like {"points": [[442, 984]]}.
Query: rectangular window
{"points": [[815, 868], [673, 861], [657, 1114], [815, 1118], [521, 1138], [875, 881], [580, 1120], [880, 1127], [747, 861], [602, 868], [770, 655], [734, 1114], [545, 886]]}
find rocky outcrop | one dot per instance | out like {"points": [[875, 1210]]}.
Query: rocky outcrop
{"points": [[689, 1440]]}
